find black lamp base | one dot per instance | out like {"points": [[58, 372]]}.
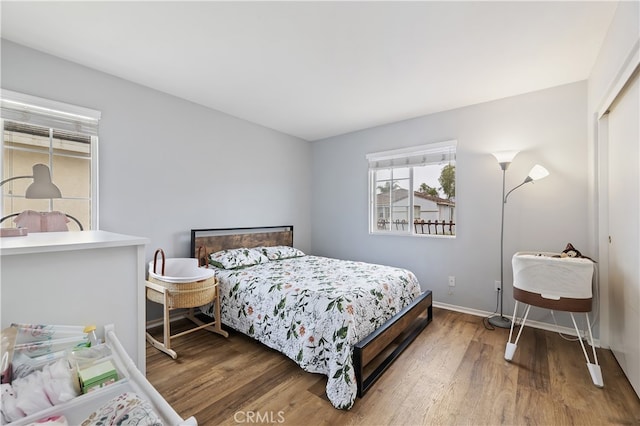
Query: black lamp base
{"points": [[499, 321]]}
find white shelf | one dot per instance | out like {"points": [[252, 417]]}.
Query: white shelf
{"points": [[42, 242]]}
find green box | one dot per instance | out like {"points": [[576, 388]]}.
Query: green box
{"points": [[97, 376]]}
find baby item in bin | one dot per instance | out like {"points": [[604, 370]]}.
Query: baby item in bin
{"points": [[91, 335], [52, 385], [97, 376], [94, 369], [9, 408], [124, 410], [40, 332], [39, 339], [41, 344], [6, 352], [83, 357]]}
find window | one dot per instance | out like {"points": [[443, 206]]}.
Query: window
{"points": [[59, 136], [412, 191]]}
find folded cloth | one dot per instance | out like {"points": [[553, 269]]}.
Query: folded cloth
{"points": [[42, 222], [39, 390], [9, 407], [54, 222], [30, 394], [28, 219]]}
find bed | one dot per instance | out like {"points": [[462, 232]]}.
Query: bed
{"points": [[347, 320]]}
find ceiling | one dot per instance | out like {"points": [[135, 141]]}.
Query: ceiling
{"points": [[319, 69]]}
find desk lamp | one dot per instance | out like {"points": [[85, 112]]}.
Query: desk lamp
{"points": [[42, 187]]}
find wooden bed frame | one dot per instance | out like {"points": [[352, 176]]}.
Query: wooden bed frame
{"points": [[373, 354]]}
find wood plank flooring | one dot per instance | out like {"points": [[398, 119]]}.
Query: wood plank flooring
{"points": [[454, 373]]}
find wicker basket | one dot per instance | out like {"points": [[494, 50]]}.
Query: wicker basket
{"points": [[184, 295]]}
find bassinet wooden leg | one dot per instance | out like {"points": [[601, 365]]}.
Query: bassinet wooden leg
{"points": [[218, 326], [166, 345], [214, 326], [161, 347], [167, 322]]}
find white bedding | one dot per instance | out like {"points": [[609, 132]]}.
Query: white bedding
{"points": [[314, 309]]}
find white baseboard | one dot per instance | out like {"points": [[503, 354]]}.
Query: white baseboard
{"points": [[530, 323], [159, 322]]}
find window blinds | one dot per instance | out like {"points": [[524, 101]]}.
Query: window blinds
{"points": [[435, 153], [43, 112]]}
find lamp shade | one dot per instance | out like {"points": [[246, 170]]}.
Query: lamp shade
{"points": [[538, 172], [42, 187], [505, 158]]}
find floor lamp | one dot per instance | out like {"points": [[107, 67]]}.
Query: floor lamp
{"points": [[537, 172]]}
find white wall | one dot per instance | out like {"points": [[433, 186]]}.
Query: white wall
{"points": [[168, 165], [548, 127]]}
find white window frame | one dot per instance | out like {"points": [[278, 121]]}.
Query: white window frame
{"points": [[34, 110], [410, 157]]}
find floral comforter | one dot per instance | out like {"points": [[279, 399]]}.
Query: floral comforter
{"points": [[314, 309]]}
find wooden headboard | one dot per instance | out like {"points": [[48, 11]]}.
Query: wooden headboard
{"points": [[206, 241]]}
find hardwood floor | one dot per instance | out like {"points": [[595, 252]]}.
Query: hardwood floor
{"points": [[453, 373]]}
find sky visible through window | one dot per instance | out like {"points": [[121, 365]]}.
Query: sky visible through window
{"points": [[429, 175]]}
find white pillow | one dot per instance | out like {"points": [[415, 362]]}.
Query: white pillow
{"points": [[237, 258], [281, 252]]}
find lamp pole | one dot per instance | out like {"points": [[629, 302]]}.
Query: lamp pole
{"points": [[501, 321]]}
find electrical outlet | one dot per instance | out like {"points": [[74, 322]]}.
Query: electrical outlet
{"points": [[498, 285], [452, 281]]}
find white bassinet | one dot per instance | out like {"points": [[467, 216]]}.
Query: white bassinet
{"points": [[550, 281], [551, 276]]}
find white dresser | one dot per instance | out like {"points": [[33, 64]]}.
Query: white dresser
{"points": [[83, 278], [77, 278]]}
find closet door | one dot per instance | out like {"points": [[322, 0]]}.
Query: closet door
{"points": [[624, 233]]}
